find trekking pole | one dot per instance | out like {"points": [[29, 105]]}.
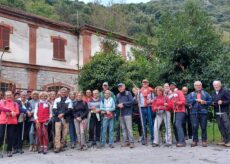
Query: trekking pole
{"points": [[141, 117], [5, 134], [213, 130], [166, 124]]}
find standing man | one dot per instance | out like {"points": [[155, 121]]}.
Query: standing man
{"points": [[146, 98], [221, 101], [187, 126], [61, 111], [124, 104], [199, 100]]}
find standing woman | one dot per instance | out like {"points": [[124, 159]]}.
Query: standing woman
{"points": [[25, 112], [42, 114], [80, 112], [33, 102], [9, 118], [162, 106]]}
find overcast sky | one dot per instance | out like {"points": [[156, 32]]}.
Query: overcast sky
{"points": [[105, 2]]}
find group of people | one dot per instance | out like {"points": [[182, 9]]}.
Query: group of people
{"points": [[45, 119]]}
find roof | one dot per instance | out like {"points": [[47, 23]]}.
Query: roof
{"points": [[23, 16]]}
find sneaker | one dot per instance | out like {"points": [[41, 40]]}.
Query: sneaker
{"points": [[155, 145], [98, 145], [40, 150], [15, 151], [72, 146], [131, 145], [45, 151], [227, 144], [124, 145], [180, 145], [56, 150], [221, 143], [90, 144], [204, 144], [83, 147], [194, 144], [31, 148], [21, 151], [111, 146], [167, 145], [9, 154]]}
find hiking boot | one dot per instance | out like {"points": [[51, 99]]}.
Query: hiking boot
{"points": [[83, 147], [111, 146], [9, 154], [204, 144], [194, 144], [227, 144], [131, 145], [31, 148], [155, 145], [221, 143], [180, 145]]}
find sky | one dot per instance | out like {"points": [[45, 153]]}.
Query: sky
{"points": [[105, 2]]}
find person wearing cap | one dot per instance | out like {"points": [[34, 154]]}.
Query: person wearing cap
{"points": [[178, 100], [105, 87], [146, 97], [187, 126], [124, 104], [199, 100], [221, 102]]}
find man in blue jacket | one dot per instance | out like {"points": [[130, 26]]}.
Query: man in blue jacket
{"points": [[124, 103], [199, 101], [221, 101]]}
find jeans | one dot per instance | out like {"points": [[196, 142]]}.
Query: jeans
{"points": [[80, 131], [72, 132], [10, 135], [199, 119], [179, 121], [127, 129], [187, 126], [147, 115], [107, 122], [224, 126], [31, 133]]}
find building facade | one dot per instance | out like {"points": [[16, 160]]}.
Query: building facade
{"points": [[47, 55]]}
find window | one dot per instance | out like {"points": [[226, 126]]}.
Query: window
{"points": [[4, 36], [58, 48], [56, 88], [4, 86]]}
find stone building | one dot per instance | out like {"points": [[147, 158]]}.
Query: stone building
{"points": [[45, 54]]}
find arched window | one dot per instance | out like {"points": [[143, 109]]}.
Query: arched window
{"points": [[56, 88]]}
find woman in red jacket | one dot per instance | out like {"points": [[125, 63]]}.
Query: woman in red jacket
{"points": [[162, 106], [42, 114], [9, 117]]}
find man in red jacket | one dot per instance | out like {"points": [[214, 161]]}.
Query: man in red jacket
{"points": [[9, 119]]}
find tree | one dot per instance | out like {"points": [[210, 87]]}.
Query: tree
{"points": [[187, 43]]}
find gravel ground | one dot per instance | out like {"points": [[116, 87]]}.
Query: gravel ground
{"points": [[139, 155]]}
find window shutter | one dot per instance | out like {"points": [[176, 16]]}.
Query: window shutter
{"points": [[61, 49], [55, 48], [5, 37], [58, 49], [1, 37]]}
